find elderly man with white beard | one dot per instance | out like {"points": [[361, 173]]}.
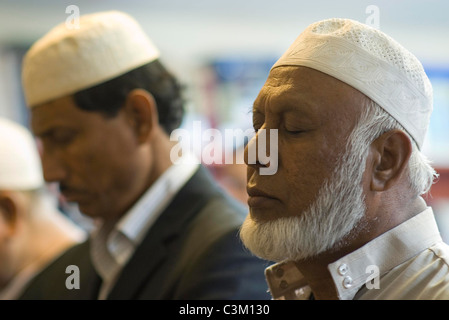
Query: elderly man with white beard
{"points": [[344, 215]]}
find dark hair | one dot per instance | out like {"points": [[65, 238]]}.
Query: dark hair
{"points": [[108, 97]]}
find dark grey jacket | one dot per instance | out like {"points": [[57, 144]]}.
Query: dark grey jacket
{"points": [[193, 251]]}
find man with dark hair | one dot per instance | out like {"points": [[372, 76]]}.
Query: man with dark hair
{"points": [[108, 97], [103, 107]]}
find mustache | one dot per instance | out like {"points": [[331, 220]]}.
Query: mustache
{"points": [[64, 187]]}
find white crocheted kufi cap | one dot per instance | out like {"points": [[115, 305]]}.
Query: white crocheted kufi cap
{"points": [[20, 166], [371, 62], [68, 59]]}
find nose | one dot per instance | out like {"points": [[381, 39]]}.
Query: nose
{"points": [[262, 152], [251, 155], [52, 166]]}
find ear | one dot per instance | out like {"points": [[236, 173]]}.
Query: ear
{"points": [[141, 110], [9, 213], [390, 154]]}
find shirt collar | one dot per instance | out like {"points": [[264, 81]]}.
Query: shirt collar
{"points": [[352, 271], [147, 209], [385, 252], [119, 244]]}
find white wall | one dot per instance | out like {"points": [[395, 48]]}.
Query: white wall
{"points": [[189, 31]]}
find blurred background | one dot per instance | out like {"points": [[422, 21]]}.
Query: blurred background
{"points": [[222, 52]]}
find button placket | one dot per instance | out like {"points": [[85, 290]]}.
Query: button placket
{"points": [[343, 270]]}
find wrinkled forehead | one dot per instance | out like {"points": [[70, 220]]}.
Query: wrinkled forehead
{"points": [[308, 88]]}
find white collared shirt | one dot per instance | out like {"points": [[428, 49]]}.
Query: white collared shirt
{"points": [[113, 246], [408, 262]]}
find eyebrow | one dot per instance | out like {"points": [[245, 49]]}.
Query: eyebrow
{"points": [[282, 104], [49, 131]]}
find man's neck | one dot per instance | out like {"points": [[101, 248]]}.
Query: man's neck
{"points": [[315, 270]]}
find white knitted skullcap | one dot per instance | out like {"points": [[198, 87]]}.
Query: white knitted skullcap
{"points": [[371, 62], [20, 166], [69, 59]]}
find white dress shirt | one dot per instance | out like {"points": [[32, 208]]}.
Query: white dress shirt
{"points": [[113, 245], [408, 262]]}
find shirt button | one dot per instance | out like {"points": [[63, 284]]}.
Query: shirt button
{"points": [[347, 282], [343, 269], [279, 272], [283, 284]]}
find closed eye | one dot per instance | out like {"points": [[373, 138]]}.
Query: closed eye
{"points": [[59, 136], [293, 131]]}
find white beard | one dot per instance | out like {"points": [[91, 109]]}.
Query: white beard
{"points": [[337, 211]]}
